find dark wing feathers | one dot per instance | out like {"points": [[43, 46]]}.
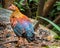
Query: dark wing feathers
{"points": [[18, 29]]}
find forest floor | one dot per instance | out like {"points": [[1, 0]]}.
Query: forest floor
{"points": [[44, 36]]}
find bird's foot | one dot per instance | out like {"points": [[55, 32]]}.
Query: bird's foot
{"points": [[20, 41]]}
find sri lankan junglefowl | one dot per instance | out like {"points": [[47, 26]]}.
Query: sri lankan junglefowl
{"points": [[21, 24]]}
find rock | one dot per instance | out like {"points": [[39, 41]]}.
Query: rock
{"points": [[2, 46], [10, 45], [5, 15]]}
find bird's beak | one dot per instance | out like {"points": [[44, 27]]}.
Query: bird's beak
{"points": [[9, 8]]}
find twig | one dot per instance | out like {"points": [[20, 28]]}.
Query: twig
{"points": [[8, 42], [39, 11]]}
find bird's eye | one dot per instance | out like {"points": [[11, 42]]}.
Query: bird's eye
{"points": [[13, 17]]}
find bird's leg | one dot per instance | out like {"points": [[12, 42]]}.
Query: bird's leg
{"points": [[27, 43], [23, 41], [20, 42]]}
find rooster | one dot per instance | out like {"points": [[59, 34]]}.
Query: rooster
{"points": [[21, 24]]}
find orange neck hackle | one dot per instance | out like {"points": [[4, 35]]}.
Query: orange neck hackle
{"points": [[14, 9], [16, 13]]}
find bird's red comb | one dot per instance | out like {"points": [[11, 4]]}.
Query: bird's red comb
{"points": [[11, 7]]}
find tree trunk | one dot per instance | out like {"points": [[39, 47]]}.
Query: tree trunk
{"points": [[39, 11], [47, 7], [40, 7], [7, 3]]}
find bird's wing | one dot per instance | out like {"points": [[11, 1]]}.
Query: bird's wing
{"points": [[28, 27], [18, 29], [17, 26], [21, 25], [29, 30]]}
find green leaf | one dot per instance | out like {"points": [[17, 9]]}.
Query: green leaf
{"points": [[22, 9], [58, 7], [17, 4], [57, 4], [36, 1], [57, 37], [21, 2], [0, 6], [52, 13], [56, 26], [30, 1], [53, 46]]}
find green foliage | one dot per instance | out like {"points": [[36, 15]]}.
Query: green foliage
{"points": [[0, 6], [56, 26], [58, 5], [57, 37], [27, 4], [55, 10], [19, 4], [36, 1]]}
